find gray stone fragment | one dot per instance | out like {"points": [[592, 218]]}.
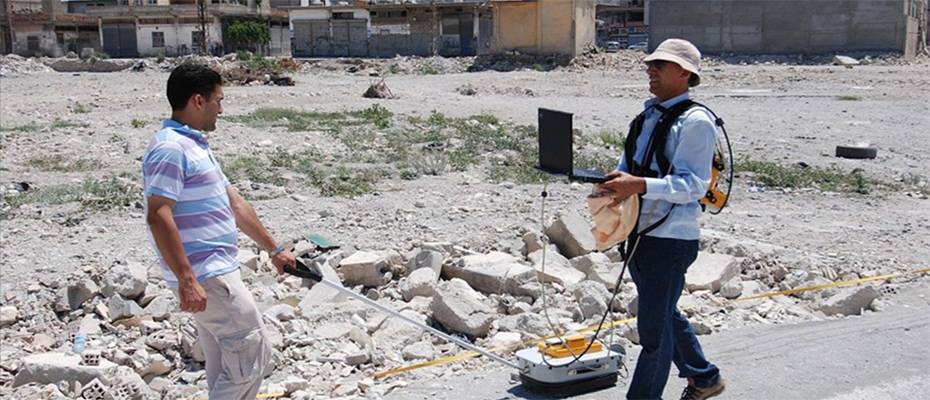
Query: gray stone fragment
{"points": [[47, 368], [426, 259], [849, 301], [494, 272], [128, 281], [421, 282], [121, 308], [709, 271], [591, 297], [572, 234], [366, 269], [8, 316], [459, 308]]}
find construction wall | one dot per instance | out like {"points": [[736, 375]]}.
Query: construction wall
{"points": [[585, 27], [515, 27], [544, 26], [785, 26], [178, 38]]}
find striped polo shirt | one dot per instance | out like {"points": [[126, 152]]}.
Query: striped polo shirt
{"points": [[179, 165]]}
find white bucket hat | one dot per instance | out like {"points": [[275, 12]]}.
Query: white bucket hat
{"points": [[681, 52]]}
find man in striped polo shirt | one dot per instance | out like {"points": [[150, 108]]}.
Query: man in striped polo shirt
{"points": [[192, 213]]}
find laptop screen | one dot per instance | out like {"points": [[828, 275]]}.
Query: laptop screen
{"points": [[555, 141]]}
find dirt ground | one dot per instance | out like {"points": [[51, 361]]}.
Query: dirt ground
{"points": [[63, 130]]}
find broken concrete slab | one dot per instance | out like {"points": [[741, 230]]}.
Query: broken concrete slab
{"points": [[732, 289], [532, 241], [281, 312], [709, 271], [247, 258], [598, 267], [529, 323], [422, 350], [572, 234], [321, 294], [845, 61], [426, 259], [505, 341], [8, 316], [46, 368], [494, 272], [591, 297], [333, 330], [364, 268], [120, 308], [459, 308], [557, 269], [421, 282], [160, 308], [80, 292], [848, 301], [127, 280]]}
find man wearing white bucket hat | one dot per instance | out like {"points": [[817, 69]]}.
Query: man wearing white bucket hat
{"points": [[667, 162]]}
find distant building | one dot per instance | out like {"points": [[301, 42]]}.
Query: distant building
{"points": [[543, 26]]}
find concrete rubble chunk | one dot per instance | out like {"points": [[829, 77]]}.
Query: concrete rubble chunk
{"points": [[160, 308], [494, 272], [281, 312], [154, 365], [80, 292], [364, 268], [732, 289], [421, 282], [591, 297], [849, 301], [293, 384], [709, 271], [320, 293], [598, 267], [431, 259], [44, 368], [532, 241], [419, 351], [120, 308], [459, 308], [557, 269], [572, 234], [128, 280], [8, 316], [247, 258], [529, 323], [506, 341], [845, 61], [333, 330], [163, 339]]}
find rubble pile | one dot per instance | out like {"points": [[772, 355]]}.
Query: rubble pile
{"points": [[12, 64], [140, 346]]}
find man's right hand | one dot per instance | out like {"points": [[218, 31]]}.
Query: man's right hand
{"points": [[193, 298]]}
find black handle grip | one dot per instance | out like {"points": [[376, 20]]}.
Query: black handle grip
{"points": [[303, 271]]}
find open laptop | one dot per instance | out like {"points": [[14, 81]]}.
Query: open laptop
{"points": [[555, 148]]}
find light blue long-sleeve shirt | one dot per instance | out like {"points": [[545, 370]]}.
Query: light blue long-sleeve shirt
{"points": [[690, 150]]}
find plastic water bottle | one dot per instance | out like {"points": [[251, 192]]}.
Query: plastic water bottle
{"points": [[80, 342]]}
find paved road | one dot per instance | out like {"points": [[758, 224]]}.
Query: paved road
{"points": [[882, 355]]}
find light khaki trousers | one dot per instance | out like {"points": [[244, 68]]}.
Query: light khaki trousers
{"points": [[232, 334]]}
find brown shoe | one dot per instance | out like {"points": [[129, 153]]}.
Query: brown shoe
{"points": [[692, 392]]}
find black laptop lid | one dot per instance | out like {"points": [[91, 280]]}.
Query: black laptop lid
{"points": [[555, 141]]}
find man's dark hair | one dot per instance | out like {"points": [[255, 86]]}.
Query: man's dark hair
{"points": [[189, 79]]}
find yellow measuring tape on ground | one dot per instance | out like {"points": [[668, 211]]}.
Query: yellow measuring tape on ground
{"points": [[471, 354]]}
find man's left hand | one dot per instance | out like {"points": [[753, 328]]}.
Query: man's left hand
{"points": [[282, 259], [622, 185]]}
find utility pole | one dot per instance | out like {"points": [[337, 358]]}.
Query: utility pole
{"points": [[202, 10]]}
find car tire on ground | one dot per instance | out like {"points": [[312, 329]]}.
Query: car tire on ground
{"points": [[856, 152]]}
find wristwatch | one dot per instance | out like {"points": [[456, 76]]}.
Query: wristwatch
{"points": [[276, 251]]}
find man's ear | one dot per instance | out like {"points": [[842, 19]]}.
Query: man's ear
{"points": [[198, 101]]}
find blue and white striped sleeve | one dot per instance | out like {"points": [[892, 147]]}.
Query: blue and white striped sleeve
{"points": [[163, 169]]}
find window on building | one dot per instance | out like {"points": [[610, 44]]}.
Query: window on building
{"points": [[153, 2], [343, 15], [32, 44], [450, 25], [196, 39], [158, 39]]}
